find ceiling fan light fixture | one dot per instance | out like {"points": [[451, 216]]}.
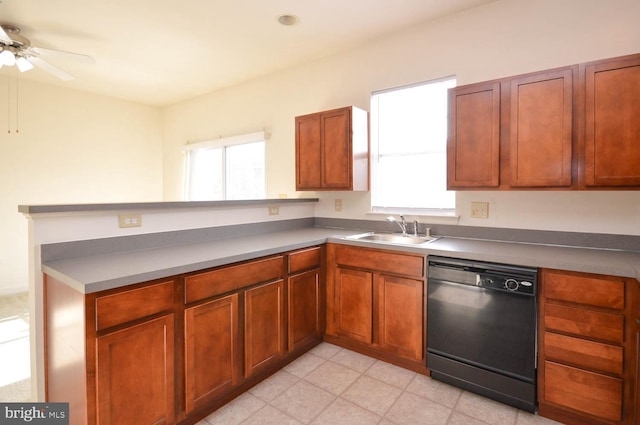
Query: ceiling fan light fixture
{"points": [[23, 64], [8, 58]]}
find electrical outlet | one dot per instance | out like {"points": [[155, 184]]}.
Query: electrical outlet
{"points": [[479, 210], [338, 205], [274, 210], [130, 220]]}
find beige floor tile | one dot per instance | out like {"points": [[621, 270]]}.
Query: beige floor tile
{"points": [[526, 418], [458, 418], [325, 350], [303, 401], [486, 410], [391, 374], [372, 394], [303, 365], [236, 410], [437, 391], [15, 366], [269, 415], [332, 377], [274, 385], [410, 409], [355, 361], [344, 412]]}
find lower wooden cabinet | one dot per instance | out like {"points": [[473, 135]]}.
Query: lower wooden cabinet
{"points": [[376, 303], [112, 362], [264, 326], [353, 303], [400, 314], [586, 365], [135, 374], [306, 307], [171, 351], [212, 350]]}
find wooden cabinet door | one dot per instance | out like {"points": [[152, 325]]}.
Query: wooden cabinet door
{"points": [[308, 152], [354, 304], [400, 311], [473, 144], [540, 141], [212, 356], [264, 331], [304, 308], [336, 149], [612, 127], [135, 374], [637, 374]]}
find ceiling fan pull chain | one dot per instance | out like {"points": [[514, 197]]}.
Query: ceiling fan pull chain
{"points": [[8, 105], [17, 99]]}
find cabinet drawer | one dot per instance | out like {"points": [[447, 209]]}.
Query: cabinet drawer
{"points": [[304, 260], [584, 353], [582, 322], [580, 288], [372, 259], [587, 392], [215, 282], [115, 309]]}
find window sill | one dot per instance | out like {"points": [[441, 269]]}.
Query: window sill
{"points": [[448, 217]]}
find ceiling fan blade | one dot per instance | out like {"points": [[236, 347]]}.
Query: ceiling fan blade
{"points": [[4, 37], [52, 53], [53, 70]]}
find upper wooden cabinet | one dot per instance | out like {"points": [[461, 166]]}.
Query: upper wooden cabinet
{"points": [[540, 129], [332, 150], [473, 148], [512, 133], [612, 127], [567, 128]]}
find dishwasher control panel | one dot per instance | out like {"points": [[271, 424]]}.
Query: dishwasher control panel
{"points": [[482, 274]]}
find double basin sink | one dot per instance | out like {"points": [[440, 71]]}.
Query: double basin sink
{"points": [[393, 238]]}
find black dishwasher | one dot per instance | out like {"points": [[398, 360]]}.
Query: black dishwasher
{"points": [[481, 328]]}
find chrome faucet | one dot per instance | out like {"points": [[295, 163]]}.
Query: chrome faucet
{"points": [[402, 223]]}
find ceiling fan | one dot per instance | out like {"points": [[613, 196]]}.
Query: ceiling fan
{"points": [[17, 50]]}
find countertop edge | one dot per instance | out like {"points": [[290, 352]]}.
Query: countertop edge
{"points": [[70, 208]]}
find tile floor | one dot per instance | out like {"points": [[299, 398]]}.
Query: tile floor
{"points": [[330, 385], [15, 367]]}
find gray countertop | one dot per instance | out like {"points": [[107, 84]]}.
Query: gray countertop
{"points": [[101, 272]]}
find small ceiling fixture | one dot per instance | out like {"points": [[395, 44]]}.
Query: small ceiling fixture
{"points": [[288, 20]]}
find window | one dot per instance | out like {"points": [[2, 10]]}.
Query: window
{"points": [[231, 168], [409, 149]]}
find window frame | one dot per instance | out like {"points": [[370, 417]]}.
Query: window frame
{"points": [[223, 144]]}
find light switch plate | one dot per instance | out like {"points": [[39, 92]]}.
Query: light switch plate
{"points": [[479, 210]]}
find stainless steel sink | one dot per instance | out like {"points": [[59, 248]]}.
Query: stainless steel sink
{"points": [[392, 238]]}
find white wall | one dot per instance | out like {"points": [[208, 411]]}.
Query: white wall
{"points": [[503, 38], [72, 147]]}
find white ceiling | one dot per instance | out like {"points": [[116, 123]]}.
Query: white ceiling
{"points": [[161, 52]]}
